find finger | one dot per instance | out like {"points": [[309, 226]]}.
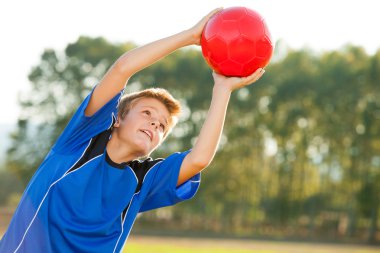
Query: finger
{"points": [[213, 12], [254, 77], [254, 74], [260, 74], [216, 10]]}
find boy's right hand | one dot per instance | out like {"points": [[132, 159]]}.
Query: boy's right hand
{"points": [[196, 31], [234, 83]]}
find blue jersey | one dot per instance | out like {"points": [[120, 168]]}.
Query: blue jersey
{"points": [[79, 200]]}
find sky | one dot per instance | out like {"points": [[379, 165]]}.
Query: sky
{"points": [[27, 27]]}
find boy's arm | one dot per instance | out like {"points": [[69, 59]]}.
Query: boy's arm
{"points": [[207, 142], [139, 58]]}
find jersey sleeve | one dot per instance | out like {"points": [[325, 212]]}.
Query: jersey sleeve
{"points": [[82, 128], [163, 189]]}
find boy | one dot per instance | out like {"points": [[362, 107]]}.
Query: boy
{"points": [[87, 192]]}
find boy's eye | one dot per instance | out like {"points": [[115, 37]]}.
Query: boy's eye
{"points": [[147, 113]]}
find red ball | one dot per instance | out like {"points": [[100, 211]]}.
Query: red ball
{"points": [[236, 42]]}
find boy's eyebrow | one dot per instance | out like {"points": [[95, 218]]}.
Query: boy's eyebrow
{"points": [[154, 108]]}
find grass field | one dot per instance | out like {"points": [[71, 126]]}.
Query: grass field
{"points": [[150, 244], [147, 244]]}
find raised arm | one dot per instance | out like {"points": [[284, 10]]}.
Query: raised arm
{"points": [[208, 139], [139, 58]]}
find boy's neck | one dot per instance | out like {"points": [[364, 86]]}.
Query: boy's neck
{"points": [[119, 152]]}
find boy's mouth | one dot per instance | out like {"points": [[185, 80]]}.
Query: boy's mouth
{"points": [[148, 133]]}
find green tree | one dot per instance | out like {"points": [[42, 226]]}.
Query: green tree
{"points": [[300, 148], [59, 83]]}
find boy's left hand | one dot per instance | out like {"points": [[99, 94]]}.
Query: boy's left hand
{"points": [[233, 83], [196, 30]]}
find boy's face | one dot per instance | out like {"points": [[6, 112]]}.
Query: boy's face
{"points": [[143, 128]]}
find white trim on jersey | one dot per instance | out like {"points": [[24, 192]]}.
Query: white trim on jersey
{"points": [[130, 203], [47, 192]]}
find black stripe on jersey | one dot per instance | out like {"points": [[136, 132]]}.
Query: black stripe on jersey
{"points": [[94, 149], [124, 214], [141, 168]]}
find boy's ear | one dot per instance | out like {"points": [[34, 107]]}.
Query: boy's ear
{"points": [[117, 123]]}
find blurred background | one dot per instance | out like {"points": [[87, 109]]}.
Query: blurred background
{"points": [[300, 154]]}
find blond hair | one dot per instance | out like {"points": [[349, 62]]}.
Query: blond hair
{"points": [[174, 107]]}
